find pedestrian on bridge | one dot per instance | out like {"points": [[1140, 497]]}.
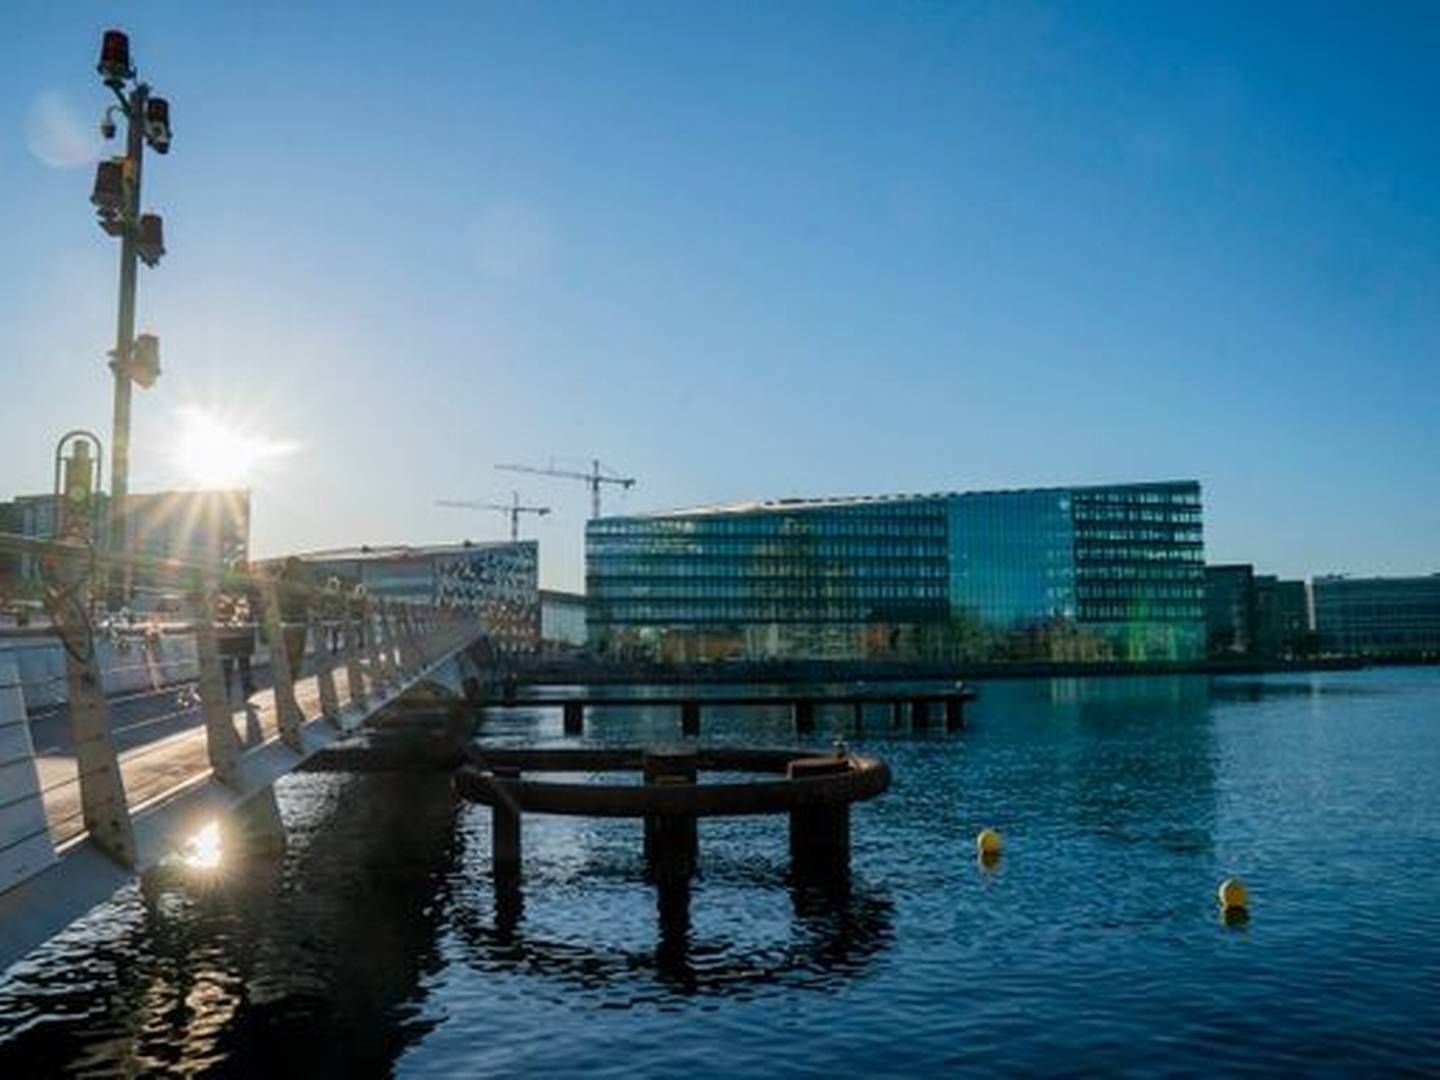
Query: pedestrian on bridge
{"points": [[235, 631]]}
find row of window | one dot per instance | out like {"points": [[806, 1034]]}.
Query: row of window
{"points": [[766, 548], [1108, 612], [651, 568], [798, 592], [1141, 572], [1124, 513], [930, 524], [1098, 553], [653, 611], [1140, 591], [1188, 496], [1178, 536]]}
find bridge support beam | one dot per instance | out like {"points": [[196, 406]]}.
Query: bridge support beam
{"points": [[102, 788], [354, 676], [221, 743], [287, 709], [386, 636], [370, 636], [325, 669], [671, 840]]}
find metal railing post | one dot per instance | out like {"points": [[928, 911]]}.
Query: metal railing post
{"points": [[287, 709], [221, 742]]}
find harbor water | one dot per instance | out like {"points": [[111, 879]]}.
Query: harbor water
{"points": [[379, 943]]}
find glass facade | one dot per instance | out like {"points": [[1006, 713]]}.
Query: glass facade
{"points": [[1085, 573], [1397, 616]]}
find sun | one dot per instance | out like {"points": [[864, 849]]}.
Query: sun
{"points": [[214, 454]]}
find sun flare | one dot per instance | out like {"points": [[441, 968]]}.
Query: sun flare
{"points": [[215, 454]]}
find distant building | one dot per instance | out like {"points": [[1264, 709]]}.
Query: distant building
{"points": [[1378, 616], [498, 581], [562, 619], [1255, 616], [186, 526], [1282, 618], [1230, 609], [1087, 573]]}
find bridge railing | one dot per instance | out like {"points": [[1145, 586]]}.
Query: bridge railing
{"points": [[332, 655]]}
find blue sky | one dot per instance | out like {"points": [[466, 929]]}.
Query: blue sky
{"points": [[755, 250]]}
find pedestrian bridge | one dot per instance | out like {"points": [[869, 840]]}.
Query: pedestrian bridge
{"points": [[82, 818]]}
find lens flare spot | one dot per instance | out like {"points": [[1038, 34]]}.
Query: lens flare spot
{"points": [[203, 851]]}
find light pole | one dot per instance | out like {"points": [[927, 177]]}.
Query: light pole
{"points": [[117, 201]]}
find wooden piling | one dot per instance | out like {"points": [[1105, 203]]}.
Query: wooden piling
{"points": [[819, 835], [690, 718], [954, 712], [671, 840], [505, 827], [803, 712], [574, 717], [919, 714]]}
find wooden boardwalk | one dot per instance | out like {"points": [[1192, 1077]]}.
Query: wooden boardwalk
{"points": [[159, 768]]}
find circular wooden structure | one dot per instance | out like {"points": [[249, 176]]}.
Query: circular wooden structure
{"points": [[815, 791]]}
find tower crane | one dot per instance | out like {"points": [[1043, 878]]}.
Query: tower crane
{"points": [[598, 474], [512, 508]]}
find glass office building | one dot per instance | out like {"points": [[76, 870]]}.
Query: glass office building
{"points": [[1089, 573], [1378, 616]]}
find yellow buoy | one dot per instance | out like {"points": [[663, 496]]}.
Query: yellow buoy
{"points": [[1233, 895], [987, 843]]}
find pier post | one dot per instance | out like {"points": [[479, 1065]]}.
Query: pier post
{"points": [[803, 712], [690, 718], [897, 714], [919, 714], [574, 717], [954, 712], [671, 840], [221, 742], [819, 835], [505, 824], [859, 718]]}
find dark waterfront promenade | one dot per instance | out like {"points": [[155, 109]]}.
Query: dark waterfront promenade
{"points": [[380, 942]]}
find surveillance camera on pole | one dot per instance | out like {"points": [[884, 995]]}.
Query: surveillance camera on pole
{"points": [[116, 197]]}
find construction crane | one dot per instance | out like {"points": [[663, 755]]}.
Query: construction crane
{"points": [[512, 508], [597, 475]]}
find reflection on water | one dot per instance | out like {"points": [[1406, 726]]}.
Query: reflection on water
{"points": [[834, 933], [379, 940]]}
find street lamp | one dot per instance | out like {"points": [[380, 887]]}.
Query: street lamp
{"points": [[142, 238]]}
